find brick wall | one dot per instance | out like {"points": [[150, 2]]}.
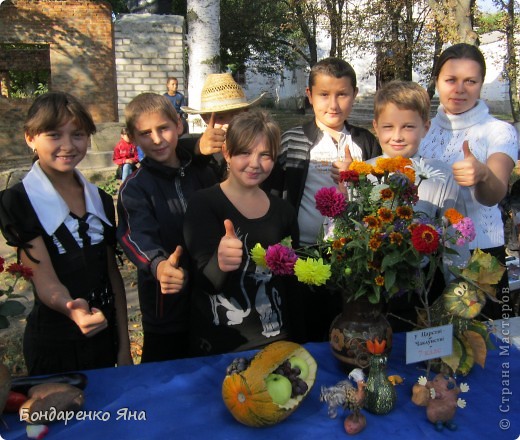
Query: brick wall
{"points": [[80, 38], [85, 50], [149, 48]]}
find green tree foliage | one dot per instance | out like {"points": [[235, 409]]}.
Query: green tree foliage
{"points": [[260, 32], [507, 21]]}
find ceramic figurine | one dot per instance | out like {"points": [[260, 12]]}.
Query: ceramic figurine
{"points": [[350, 396], [440, 396]]}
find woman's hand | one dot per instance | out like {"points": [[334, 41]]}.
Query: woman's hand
{"points": [[468, 171], [490, 180]]}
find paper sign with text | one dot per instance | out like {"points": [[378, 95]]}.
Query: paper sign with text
{"points": [[429, 343]]}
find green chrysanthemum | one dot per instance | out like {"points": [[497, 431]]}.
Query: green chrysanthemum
{"points": [[258, 255], [312, 271]]}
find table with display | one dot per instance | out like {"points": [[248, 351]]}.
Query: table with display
{"points": [[182, 400]]}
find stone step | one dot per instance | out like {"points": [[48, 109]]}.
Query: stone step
{"points": [[97, 159]]}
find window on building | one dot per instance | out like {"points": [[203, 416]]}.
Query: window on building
{"points": [[25, 70]]}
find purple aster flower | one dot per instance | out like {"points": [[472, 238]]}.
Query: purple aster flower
{"points": [[280, 259], [330, 202]]}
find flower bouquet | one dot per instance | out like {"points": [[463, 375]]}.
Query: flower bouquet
{"points": [[374, 244]]}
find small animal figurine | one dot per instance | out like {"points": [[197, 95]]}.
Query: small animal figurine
{"points": [[440, 396], [350, 396]]}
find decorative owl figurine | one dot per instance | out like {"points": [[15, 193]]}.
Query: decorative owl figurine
{"points": [[440, 397]]}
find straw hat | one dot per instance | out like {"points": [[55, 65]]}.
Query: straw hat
{"points": [[221, 93]]}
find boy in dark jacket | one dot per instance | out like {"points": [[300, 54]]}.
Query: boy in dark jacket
{"points": [[151, 207], [312, 156]]}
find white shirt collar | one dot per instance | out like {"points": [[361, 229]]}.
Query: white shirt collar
{"points": [[50, 207]]}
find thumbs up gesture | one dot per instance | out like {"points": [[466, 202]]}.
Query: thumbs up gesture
{"points": [[230, 249], [468, 171], [213, 137], [169, 274], [341, 165]]}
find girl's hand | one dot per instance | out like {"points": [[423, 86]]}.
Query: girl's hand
{"points": [[230, 249], [170, 275], [89, 321]]}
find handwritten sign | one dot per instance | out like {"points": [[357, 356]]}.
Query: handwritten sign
{"points": [[429, 343]]}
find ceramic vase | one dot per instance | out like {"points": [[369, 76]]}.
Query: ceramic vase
{"points": [[359, 321], [380, 395]]}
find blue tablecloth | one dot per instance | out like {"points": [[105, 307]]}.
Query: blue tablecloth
{"points": [[182, 400]]}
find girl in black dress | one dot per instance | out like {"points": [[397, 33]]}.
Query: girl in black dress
{"points": [[236, 304], [64, 230]]}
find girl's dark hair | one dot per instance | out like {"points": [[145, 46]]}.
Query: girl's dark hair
{"points": [[53, 109], [461, 51], [335, 67], [244, 129]]}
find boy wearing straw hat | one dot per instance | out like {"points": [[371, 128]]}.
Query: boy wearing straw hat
{"points": [[221, 99]]}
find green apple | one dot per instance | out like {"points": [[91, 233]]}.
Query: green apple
{"points": [[296, 361], [279, 388]]}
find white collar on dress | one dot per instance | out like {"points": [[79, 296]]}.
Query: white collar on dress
{"points": [[50, 207], [463, 120]]}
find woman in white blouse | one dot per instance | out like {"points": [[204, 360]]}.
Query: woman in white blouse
{"points": [[481, 149]]}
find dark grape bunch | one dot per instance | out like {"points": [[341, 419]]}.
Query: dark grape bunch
{"points": [[299, 386], [237, 366]]}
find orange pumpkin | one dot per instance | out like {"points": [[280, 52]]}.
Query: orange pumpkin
{"points": [[245, 394]]}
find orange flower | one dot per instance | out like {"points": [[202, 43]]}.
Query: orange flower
{"points": [[379, 280], [360, 167], [385, 215], [384, 164], [387, 194], [404, 212], [410, 173], [396, 238], [453, 216], [337, 245], [371, 221], [374, 243], [400, 163], [376, 347]]}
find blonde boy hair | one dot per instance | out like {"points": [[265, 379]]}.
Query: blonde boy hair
{"points": [[405, 95], [146, 103]]}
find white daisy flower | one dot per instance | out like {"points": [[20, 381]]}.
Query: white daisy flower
{"points": [[423, 171]]}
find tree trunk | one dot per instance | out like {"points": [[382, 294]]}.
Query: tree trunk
{"points": [[203, 38], [436, 53], [463, 14], [512, 63]]}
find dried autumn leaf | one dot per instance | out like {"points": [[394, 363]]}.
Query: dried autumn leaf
{"points": [[453, 360], [483, 268], [478, 344]]}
